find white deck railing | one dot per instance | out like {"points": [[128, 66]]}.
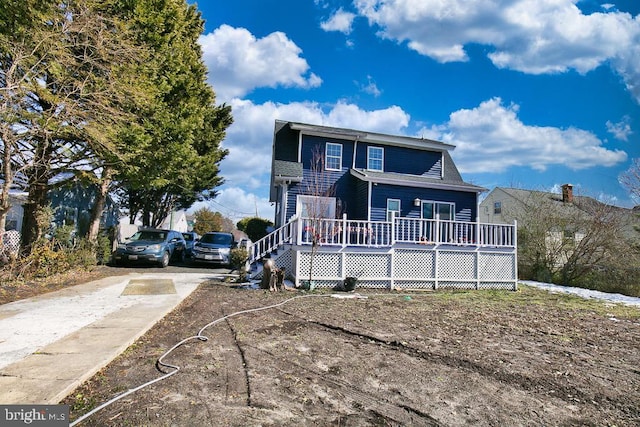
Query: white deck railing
{"points": [[272, 241], [345, 232]]}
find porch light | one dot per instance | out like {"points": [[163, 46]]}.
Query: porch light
{"points": [[416, 202]]}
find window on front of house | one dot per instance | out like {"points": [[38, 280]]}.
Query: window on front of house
{"points": [[444, 211], [333, 156], [375, 158], [497, 207], [393, 209]]}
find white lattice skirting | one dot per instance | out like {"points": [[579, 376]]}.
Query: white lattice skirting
{"points": [[10, 243], [404, 268]]}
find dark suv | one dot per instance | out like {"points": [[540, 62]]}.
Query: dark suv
{"points": [[214, 248], [152, 245], [190, 238]]}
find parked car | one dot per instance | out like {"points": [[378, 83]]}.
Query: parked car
{"points": [[214, 248], [152, 245], [190, 238]]}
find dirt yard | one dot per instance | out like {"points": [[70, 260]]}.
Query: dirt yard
{"points": [[480, 358]]}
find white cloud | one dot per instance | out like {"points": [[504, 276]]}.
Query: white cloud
{"points": [[532, 36], [370, 87], [238, 62], [620, 130], [340, 21], [491, 138]]}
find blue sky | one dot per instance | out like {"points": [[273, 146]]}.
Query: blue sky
{"points": [[533, 93]]}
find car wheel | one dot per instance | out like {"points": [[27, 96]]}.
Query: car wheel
{"points": [[164, 262]]}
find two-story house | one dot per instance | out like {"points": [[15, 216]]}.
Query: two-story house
{"points": [[392, 211]]}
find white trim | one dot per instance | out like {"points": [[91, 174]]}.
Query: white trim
{"points": [[355, 151], [370, 190]]}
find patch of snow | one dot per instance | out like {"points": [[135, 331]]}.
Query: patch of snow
{"points": [[585, 293]]}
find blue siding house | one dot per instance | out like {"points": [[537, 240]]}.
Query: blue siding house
{"points": [[392, 211]]}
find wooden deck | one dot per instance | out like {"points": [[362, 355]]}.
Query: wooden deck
{"points": [[405, 253]]}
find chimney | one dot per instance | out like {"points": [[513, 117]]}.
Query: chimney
{"points": [[567, 193]]}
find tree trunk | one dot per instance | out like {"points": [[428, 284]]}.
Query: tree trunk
{"points": [[33, 221], [98, 206]]}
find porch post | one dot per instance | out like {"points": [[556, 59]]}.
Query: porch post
{"points": [[344, 230], [393, 230], [436, 252], [298, 230]]}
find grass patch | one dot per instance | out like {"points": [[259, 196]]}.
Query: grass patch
{"points": [[529, 295]]}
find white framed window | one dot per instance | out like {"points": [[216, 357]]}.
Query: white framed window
{"points": [[315, 207], [393, 209], [333, 156], [375, 158], [444, 210], [497, 207]]}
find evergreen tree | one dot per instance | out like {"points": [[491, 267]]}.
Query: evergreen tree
{"points": [[177, 152]]}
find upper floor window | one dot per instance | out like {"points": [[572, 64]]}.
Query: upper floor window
{"points": [[375, 158], [333, 156], [497, 207]]}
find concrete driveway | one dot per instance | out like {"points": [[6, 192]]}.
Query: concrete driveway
{"points": [[51, 343]]}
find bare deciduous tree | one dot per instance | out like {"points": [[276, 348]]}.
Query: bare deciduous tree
{"points": [[567, 242], [319, 204], [630, 179]]}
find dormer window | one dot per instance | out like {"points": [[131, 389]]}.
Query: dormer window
{"points": [[333, 156], [375, 159]]}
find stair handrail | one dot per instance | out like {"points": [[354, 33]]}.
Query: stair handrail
{"points": [[273, 241]]}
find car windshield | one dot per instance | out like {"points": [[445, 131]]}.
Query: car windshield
{"points": [[218, 239], [154, 236], [188, 237]]}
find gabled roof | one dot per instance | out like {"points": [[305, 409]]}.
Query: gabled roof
{"points": [[418, 181], [373, 137], [583, 203]]}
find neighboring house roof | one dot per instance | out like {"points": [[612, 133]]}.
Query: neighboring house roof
{"points": [[583, 203], [582, 206], [287, 171], [414, 181]]}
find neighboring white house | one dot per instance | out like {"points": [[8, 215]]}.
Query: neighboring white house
{"points": [[569, 213], [177, 221]]}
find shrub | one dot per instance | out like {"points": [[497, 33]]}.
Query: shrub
{"points": [[239, 257]]}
